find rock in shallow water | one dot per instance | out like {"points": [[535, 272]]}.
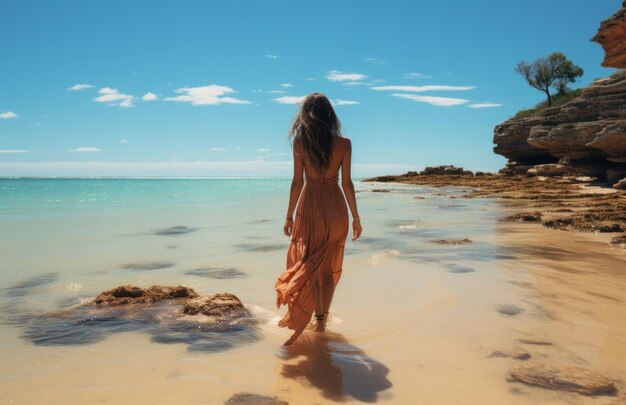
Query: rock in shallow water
{"points": [[216, 272], [453, 242], [524, 217], [148, 266], [220, 305], [619, 240], [171, 314], [510, 310], [24, 287], [130, 294], [175, 230], [517, 352], [568, 378], [246, 398]]}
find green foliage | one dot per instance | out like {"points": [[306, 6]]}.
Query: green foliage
{"points": [[553, 71], [558, 99]]}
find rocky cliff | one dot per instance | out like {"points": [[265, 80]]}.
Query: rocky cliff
{"points": [[586, 136], [612, 37]]}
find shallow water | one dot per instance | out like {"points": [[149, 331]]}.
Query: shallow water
{"points": [[413, 321]]}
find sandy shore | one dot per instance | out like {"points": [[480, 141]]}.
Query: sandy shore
{"points": [[570, 286]]}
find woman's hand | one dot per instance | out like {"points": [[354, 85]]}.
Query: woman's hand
{"points": [[356, 229], [288, 227]]}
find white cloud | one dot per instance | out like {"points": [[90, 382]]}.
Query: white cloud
{"points": [[338, 101], [217, 149], [112, 97], [423, 88], [336, 76], [206, 95], [80, 87], [286, 85], [263, 150], [290, 99], [11, 151], [484, 105], [310, 79], [438, 101], [270, 56], [375, 61], [86, 149], [276, 91], [149, 96], [124, 141], [7, 115], [357, 84], [416, 76]]}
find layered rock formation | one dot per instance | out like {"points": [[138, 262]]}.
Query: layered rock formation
{"points": [[587, 135], [612, 37]]}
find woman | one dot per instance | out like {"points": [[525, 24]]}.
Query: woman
{"points": [[320, 228]]}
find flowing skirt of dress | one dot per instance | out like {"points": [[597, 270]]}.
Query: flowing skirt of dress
{"points": [[317, 245]]}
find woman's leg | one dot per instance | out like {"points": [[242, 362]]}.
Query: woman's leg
{"points": [[319, 302], [328, 289]]}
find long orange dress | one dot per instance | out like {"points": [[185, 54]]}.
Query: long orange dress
{"points": [[317, 245]]}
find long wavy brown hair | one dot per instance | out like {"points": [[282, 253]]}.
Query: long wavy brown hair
{"points": [[315, 128]]}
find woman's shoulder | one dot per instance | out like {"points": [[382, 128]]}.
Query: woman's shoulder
{"points": [[343, 141]]}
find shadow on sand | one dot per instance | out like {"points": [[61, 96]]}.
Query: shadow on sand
{"points": [[337, 368]]}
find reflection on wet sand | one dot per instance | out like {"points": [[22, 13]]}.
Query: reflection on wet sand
{"points": [[337, 368]]}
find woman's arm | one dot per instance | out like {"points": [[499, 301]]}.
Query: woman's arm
{"points": [[348, 190], [296, 188]]}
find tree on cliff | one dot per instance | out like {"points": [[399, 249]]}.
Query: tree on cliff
{"points": [[554, 70]]}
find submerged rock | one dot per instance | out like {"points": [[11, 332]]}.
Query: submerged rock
{"points": [[453, 242], [459, 269], [171, 314], [517, 352], [246, 398], [216, 272], [568, 378], [174, 230], [535, 342], [148, 266], [524, 217], [619, 240], [25, 286], [508, 309]]}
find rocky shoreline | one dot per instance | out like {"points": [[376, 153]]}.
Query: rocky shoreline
{"points": [[562, 203]]}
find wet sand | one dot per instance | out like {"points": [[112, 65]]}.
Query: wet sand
{"points": [[413, 336]]}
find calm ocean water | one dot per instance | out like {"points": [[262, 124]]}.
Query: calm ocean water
{"points": [[64, 240]]}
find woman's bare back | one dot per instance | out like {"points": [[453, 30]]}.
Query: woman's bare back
{"points": [[334, 164]]}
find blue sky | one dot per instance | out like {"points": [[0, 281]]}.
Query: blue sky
{"points": [[207, 88]]}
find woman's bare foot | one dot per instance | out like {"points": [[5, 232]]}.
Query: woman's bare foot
{"points": [[320, 326]]}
